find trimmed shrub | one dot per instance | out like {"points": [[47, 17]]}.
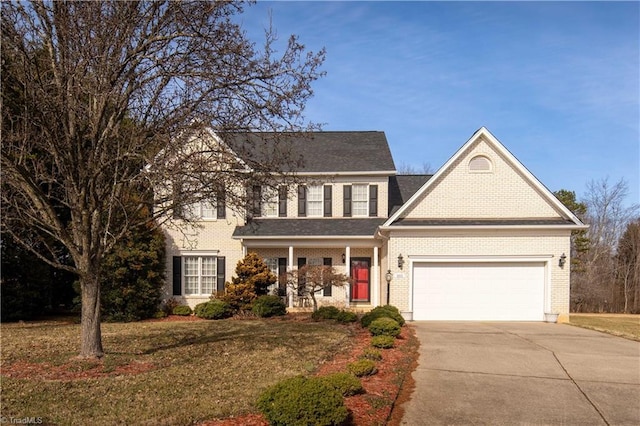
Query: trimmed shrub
{"points": [[214, 309], [387, 311], [384, 327], [168, 305], [269, 306], [182, 310], [301, 401], [372, 354], [362, 367], [325, 313], [383, 342], [347, 316], [345, 383], [160, 314]]}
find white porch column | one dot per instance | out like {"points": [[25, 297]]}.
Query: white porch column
{"points": [[375, 294], [347, 272], [290, 269]]}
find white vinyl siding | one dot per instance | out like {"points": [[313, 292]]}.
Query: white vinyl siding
{"points": [[360, 200], [199, 275]]}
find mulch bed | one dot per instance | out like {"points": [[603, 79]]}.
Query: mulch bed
{"points": [[384, 392]]}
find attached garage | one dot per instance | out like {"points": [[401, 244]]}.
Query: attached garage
{"points": [[479, 291]]}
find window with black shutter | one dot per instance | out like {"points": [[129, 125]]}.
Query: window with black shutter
{"points": [[373, 200], [327, 201], [282, 201], [346, 189], [221, 274], [302, 280], [326, 291], [302, 201], [177, 276], [221, 204]]}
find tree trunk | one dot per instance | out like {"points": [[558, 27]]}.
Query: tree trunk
{"points": [[90, 334]]}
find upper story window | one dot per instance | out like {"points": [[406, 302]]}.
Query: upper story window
{"points": [[315, 200], [480, 164], [270, 202], [360, 200], [202, 210]]}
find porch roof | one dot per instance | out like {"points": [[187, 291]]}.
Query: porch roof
{"points": [[321, 227]]}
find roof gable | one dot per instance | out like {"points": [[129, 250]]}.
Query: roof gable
{"points": [[483, 181]]}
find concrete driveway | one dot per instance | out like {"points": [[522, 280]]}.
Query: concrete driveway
{"points": [[523, 373]]}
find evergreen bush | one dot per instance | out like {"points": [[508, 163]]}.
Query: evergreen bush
{"points": [[182, 310], [214, 309], [387, 311], [383, 342], [345, 383], [372, 354], [384, 327], [362, 367], [301, 401], [326, 312], [347, 317], [269, 306]]}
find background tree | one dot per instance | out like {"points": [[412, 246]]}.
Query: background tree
{"points": [[104, 99], [134, 274], [628, 257], [408, 169], [311, 279], [596, 285]]}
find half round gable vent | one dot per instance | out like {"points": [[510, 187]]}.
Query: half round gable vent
{"points": [[480, 163]]}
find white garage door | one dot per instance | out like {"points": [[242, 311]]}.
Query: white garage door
{"points": [[478, 291]]}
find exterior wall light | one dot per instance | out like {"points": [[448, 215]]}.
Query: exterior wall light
{"points": [[344, 258], [562, 260], [400, 261]]}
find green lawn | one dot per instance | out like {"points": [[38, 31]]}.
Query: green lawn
{"points": [[617, 324], [200, 370]]}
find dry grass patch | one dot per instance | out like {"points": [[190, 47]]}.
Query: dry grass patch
{"points": [[157, 373], [624, 325]]}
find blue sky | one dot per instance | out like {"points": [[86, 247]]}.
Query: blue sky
{"points": [[556, 82]]}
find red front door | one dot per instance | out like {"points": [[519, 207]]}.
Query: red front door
{"points": [[360, 276]]}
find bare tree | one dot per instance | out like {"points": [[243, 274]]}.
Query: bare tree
{"points": [[311, 279], [628, 256], [409, 169], [608, 216], [106, 99]]}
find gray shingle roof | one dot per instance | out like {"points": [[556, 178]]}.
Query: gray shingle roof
{"points": [[480, 222], [402, 187], [309, 227], [321, 152]]}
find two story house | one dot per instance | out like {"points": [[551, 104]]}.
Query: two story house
{"points": [[481, 239]]}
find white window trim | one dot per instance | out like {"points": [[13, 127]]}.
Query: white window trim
{"points": [[270, 204], [365, 201], [199, 257], [320, 189]]}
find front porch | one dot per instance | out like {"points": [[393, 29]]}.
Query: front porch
{"points": [[358, 260]]}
